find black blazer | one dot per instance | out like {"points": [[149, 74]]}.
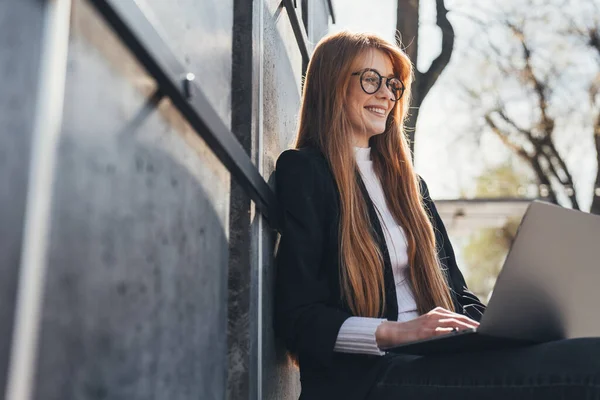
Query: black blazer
{"points": [[309, 310]]}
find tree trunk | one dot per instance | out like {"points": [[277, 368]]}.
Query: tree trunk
{"points": [[407, 27], [407, 37], [407, 24]]}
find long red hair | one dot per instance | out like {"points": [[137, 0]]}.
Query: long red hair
{"points": [[324, 124]]}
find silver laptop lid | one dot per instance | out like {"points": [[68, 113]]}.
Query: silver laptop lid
{"points": [[549, 287]]}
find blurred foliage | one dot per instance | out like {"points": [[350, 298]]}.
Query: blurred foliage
{"points": [[484, 255], [501, 181], [485, 250]]}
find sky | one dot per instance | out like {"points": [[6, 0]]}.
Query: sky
{"points": [[379, 16]]}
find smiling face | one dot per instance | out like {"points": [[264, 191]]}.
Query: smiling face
{"points": [[368, 112]]}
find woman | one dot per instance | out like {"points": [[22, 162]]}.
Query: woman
{"points": [[364, 262]]}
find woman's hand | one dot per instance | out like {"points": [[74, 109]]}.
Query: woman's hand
{"points": [[438, 321]]}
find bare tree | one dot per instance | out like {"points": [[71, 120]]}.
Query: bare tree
{"points": [[541, 77], [407, 28]]}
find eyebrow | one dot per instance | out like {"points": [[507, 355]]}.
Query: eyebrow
{"points": [[389, 76]]}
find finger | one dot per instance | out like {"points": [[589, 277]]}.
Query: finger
{"points": [[460, 317], [465, 319], [444, 312], [455, 323], [442, 331], [440, 310]]}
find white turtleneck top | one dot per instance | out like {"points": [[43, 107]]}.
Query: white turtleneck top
{"points": [[357, 334]]}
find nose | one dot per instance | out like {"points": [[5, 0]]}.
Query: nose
{"points": [[384, 91]]}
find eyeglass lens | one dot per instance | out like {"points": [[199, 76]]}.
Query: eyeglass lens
{"points": [[371, 81]]}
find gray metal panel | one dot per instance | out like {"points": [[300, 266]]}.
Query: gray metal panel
{"points": [[135, 304], [20, 36], [142, 37], [199, 32], [318, 25]]}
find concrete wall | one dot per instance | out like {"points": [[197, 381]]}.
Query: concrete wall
{"points": [[135, 296], [318, 23], [20, 28], [145, 221], [281, 102], [135, 303], [259, 366]]}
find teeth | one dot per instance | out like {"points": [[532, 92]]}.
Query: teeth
{"points": [[377, 110]]}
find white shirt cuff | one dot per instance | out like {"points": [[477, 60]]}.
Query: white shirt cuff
{"points": [[357, 335]]}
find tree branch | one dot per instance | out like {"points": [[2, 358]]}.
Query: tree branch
{"points": [[594, 38], [441, 61], [512, 123], [531, 159], [567, 183], [539, 87], [519, 151], [563, 166]]}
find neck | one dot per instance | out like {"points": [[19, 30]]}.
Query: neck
{"points": [[360, 140]]}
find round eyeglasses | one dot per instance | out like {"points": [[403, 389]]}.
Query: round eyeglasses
{"points": [[370, 82]]}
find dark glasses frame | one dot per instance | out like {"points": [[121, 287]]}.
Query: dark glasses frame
{"points": [[381, 78]]}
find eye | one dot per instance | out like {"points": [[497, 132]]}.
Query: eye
{"points": [[370, 81], [395, 84], [397, 87]]}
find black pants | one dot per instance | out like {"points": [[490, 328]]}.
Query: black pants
{"points": [[567, 369]]}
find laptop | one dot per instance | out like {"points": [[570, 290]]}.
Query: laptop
{"points": [[548, 289]]}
